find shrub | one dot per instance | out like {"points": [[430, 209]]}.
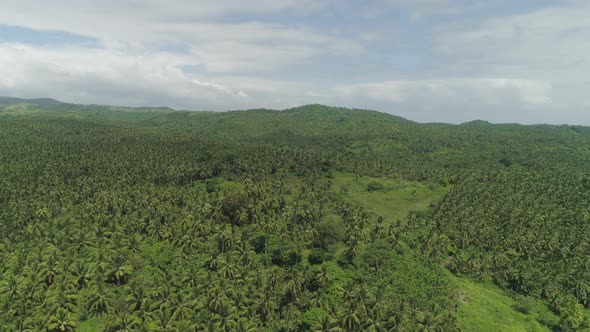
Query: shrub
{"points": [[375, 186]]}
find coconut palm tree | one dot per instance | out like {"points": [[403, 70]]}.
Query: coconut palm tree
{"points": [[61, 321]]}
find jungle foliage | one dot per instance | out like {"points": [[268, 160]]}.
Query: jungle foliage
{"points": [[157, 220]]}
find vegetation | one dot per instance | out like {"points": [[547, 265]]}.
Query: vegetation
{"points": [[309, 219]]}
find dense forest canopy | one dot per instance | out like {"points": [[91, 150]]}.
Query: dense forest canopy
{"points": [[314, 218]]}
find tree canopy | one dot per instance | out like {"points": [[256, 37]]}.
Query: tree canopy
{"points": [[160, 220]]}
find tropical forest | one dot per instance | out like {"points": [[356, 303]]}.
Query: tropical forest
{"points": [[312, 218]]}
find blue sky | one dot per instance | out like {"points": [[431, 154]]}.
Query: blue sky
{"points": [[427, 60]]}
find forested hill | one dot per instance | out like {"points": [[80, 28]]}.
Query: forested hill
{"points": [[313, 218], [361, 135]]}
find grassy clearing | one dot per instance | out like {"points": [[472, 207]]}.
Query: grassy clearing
{"points": [[484, 307], [91, 325], [392, 199]]}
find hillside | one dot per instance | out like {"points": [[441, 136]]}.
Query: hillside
{"points": [[313, 218]]}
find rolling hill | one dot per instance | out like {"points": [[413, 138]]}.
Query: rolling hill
{"points": [[313, 218]]}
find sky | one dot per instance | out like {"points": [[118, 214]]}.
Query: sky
{"points": [[524, 61]]}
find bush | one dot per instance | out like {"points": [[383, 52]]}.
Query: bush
{"points": [[318, 256], [375, 186], [329, 231], [311, 316], [233, 202]]}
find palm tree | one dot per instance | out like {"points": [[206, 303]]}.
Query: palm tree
{"points": [[227, 270], [164, 295], [215, 300], [324, 276], [11, 286], [244, 325], [572, 316], [25, 324], [351, 319], [61, 321], [224, 318], [99, 301], [123, 323], [82, 274], [163, 318], [374, 325], [31, 289], [136, 295], [266, 308], [427, 321], [244, 253], [293, 285], [224, 238], [326, 324], [63, 296], [181, 309]]}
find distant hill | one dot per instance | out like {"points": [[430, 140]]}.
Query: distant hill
{"points": [[300, 111], [320, 117], [36, 101]]}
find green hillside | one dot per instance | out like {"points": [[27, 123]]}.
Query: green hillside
{"points": [[314, 218]]}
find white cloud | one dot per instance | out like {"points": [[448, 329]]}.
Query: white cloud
{"points": [[150, 26], [146, 47], [95, 18], [86, 75], [484, 90], [547, 44], [121, 78], [226, 54], [103, 76], [421, 9], [546, 39], [450, 99], [157, 22]]}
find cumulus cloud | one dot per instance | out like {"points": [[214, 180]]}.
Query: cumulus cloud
{"points": [[548, 44], [122, 78], [484, 90], [144, 48], [102, 76], [99, 76], [450, 100], [547, 39], [156, 22], [217, 46]]}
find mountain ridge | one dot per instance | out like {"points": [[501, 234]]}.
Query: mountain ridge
{"points": [[57, 105]]}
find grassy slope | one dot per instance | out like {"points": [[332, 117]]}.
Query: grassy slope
{"points": [[483, 307]]}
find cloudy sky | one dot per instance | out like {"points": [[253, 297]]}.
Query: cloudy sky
{"points": [[427, 60]]}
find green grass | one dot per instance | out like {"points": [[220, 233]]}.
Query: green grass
{"points": [[90, 325], [394, 201], [485, 307]]}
